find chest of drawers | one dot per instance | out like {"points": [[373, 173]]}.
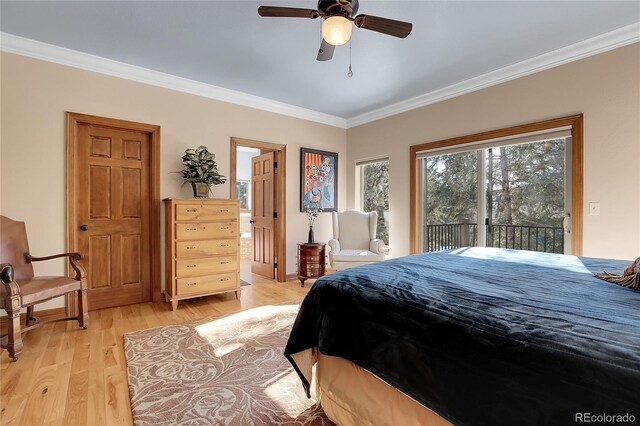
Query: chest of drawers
{"points": [[202, 248]]}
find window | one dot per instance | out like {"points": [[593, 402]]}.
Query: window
{"points": [[508, 193], [374, 193], [242, 191]]}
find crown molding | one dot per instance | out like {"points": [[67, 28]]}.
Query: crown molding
{"points": [[47, 52], [60, 55], [593, 46]]}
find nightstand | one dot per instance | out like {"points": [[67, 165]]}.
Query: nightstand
{"points": [[311, 261]]}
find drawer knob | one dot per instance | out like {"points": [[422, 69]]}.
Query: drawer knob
{"points": [[224, 279], [191, 266], [192, 210], [191, 229], [191, 247], [224, 227], [223, 263], [224, 245], [191, 283], [224, 211]]}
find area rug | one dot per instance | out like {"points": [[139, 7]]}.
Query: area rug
{"points": [[228, 371]]}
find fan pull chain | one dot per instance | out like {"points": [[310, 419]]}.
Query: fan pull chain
{"points": [[350, 72]]}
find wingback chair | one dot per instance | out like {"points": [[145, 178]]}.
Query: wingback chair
{"points": [[354, 240], [20, 289]]}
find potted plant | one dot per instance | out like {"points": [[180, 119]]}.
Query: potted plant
{"points": [[201, 171]]}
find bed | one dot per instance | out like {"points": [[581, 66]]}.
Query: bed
{"points": [[472, 336]]}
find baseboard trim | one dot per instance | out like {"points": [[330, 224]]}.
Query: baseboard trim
{"points": [[44, 315], [294, 276]]}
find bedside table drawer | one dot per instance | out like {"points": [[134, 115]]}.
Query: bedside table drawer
{"points": [[198, 248], [311, 259], [211, 265], [211, 283]]}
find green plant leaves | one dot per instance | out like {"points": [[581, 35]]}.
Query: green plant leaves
{"points": [[199, 166]]}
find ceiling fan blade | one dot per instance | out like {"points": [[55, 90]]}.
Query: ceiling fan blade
{"points": [[325, 53], [287, 12], [383, 25]]}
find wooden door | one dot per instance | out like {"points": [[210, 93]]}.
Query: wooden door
{"points": [[112, 213], [262, 220]]}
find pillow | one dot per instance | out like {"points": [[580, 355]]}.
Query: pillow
{"points": [[630, 278], [632, 268]]}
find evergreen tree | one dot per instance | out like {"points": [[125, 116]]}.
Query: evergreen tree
{"points": [[527, 188], [376, 194]]}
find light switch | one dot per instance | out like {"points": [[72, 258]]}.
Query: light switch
{"points": [[594, 209]]}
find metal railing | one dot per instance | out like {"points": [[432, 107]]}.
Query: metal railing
{"points": [[549, 239], [449, 236]]}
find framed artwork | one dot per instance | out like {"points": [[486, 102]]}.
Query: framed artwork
{"points": [[318, 179]]}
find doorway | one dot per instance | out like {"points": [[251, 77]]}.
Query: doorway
{"points": [[113, 211], [258, 181]]}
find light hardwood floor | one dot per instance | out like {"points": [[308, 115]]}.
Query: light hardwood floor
{"points": [[69, 376]]}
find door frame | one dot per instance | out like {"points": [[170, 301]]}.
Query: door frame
{"points": [[576, 124], [280, 223], [74, 120]]}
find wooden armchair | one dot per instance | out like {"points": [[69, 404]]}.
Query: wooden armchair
{"points": [[19, 288]]}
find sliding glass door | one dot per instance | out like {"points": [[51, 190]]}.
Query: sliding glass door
{"points": [[512, 193], [450, 200]]}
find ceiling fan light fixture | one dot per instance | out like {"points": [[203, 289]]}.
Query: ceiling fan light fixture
{"points": [[336, 30]]}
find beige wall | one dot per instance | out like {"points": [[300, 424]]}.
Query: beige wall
{"points": [[36, 95], [605, 88]]}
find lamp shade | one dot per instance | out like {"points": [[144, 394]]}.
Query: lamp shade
{"points": [[336, 30]]}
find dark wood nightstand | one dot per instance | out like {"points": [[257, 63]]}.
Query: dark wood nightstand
{"points": [[311, 261]]}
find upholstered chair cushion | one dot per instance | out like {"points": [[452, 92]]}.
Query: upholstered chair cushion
{"points": [[357, 256], [354, 240], [355, 229]]}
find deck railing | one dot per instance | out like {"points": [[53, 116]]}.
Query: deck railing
{"points": [[549, 239], [449, 235]]}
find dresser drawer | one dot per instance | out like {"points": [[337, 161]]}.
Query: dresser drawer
{"points": [[207, 284], [206, 212], [206, 230], [210, 265], [311, 270], [200, 248], [310, 259]]}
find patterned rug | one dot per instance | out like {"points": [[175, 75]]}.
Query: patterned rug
{"points": [[228, 371]]}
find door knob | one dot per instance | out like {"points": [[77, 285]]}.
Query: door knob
{"points": [[84, 228], [252, 221]]}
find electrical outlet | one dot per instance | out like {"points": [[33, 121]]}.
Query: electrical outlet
{"points": [[594, 209]]}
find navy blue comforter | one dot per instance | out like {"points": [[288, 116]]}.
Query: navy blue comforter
{"points": [[485, 336]]}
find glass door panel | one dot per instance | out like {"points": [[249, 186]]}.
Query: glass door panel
{"points": [[526, 196], [449, 185]]}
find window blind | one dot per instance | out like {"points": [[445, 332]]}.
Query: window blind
{"points": [[561, 132], [376, 160]]}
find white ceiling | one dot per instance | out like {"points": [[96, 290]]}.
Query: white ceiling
{"points": [[226, 43]]}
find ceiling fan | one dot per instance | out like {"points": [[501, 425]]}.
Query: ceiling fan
{"points": [[336, 27]]}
